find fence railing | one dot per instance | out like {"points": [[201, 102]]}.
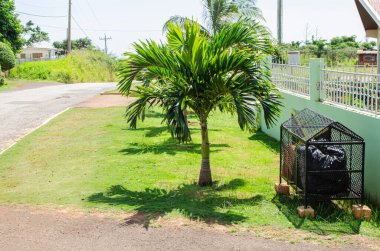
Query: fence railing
{"points": [[24, 60], [291, 78], [352, 88], [359, 91], [368, 69]]}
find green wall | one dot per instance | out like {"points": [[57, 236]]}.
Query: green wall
{"points": [[366, 126]]}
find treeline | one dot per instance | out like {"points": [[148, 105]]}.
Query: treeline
{"points": [[338, 50]]}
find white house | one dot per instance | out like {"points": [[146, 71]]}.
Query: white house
{"points": [[34, 53]]}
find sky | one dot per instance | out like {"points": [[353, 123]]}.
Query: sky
{"points": [[127, 21]]}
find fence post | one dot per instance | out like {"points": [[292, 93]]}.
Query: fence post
{"points": [[316, 66]]}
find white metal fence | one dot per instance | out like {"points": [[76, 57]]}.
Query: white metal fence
{"points": [[359, 91], [293, 78], [356, 87]]}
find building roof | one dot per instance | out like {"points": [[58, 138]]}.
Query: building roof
{"points": [[363, 52], [369, 11], [376, 5], [39, 48]]}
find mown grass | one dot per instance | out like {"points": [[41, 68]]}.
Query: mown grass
{"points": [[78, 67], [89, 158], [8, 85]]}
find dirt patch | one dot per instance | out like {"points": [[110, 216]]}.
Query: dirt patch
{"points": [[24, 228], [32, 85], [66, 228], [106, 100]]}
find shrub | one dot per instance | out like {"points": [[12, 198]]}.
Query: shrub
{"points": [[7, 58], [2, 78], [78, 67]]}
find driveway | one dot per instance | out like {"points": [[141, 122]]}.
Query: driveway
{"points": [[24, 110]]}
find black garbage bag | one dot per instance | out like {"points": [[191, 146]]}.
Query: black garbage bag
{"points": [[332, 158]]}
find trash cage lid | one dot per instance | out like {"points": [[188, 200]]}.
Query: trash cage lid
{"points": [[307, 123]]}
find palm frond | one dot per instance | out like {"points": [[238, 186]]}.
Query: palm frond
{"points": [[202, 73], [179, 20]]}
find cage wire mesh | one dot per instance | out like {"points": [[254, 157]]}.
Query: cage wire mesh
{"points": [[322, 159]]}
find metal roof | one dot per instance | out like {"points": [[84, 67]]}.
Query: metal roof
{"points": [[376, 5], [363, 52]]}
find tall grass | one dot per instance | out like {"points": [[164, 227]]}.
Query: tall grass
{"points": [[78, 67]]}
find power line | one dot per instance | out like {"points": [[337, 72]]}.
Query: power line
{"points": [[80, 27], [83, 30], [37, 6], [105, 30], [35, 15], [93, 12]]}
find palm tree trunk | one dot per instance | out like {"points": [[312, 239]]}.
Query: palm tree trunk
{"points": [[187, 137], [205, 178]]}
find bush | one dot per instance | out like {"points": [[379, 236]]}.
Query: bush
{"points": [[7, 58], [78, 67], [2, 78]]}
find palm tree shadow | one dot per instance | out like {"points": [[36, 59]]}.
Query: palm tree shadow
{"points": [[150, 131], [154, 131], [169, 146], [330, 219], [267, 141], [194, 202]]}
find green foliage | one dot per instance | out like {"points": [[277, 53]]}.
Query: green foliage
{"points": [[79, 66], [195, 71], [10, 26], [7, 58], [368, 45], [2, 78], [344, 42], [202, 73], [34, 34], [78, 44], [218, 13], [336, 51]]}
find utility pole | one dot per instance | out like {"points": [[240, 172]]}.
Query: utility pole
{"points": [[280, 17], [69, 30], [105, 38]]}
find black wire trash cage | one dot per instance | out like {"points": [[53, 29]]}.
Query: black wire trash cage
{"points": [[321, 159]]}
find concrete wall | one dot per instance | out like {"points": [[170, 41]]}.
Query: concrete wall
{"points": [[366, 126]]}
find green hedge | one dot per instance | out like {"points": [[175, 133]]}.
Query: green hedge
{"points": [[7, 58], [78, 67]]}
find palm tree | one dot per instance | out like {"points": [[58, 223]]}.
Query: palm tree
{"points": [[218, 13], [192, 70]]}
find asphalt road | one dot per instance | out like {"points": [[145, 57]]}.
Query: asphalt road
{"points": [[22, 111]]}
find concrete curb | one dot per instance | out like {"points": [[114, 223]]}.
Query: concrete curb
{"points": [[34, 129]]}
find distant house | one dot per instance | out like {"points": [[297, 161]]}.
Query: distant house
{"points": [[367, 57], [369, 11], [34, 53]]}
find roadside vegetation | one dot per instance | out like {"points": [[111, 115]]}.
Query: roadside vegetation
{"points": [[7, 62], [88, 158], [336, 51], [77, 67], [8, 85]]}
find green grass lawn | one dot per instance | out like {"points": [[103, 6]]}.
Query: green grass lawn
{"points": [[9, 85], [89, 158]]}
